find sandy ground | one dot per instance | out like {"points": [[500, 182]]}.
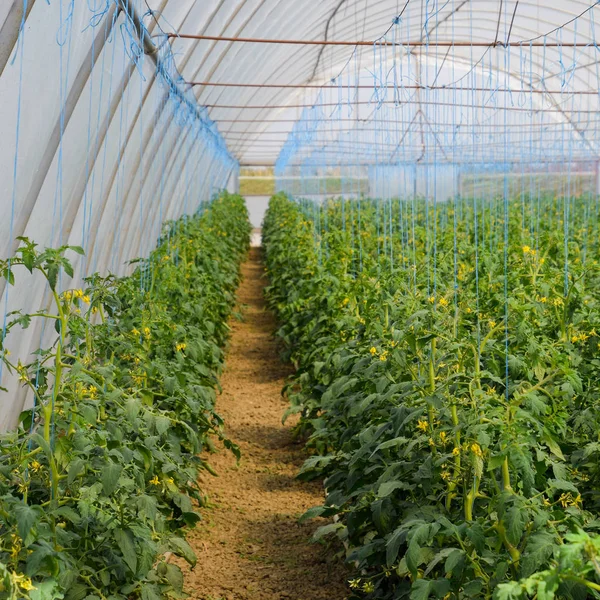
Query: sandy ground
{"points": [[250, 545]]}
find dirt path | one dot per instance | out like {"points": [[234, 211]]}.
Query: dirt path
{"points": [[250, 545]]}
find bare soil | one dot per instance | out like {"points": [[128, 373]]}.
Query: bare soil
{"points": [[250, 545]]}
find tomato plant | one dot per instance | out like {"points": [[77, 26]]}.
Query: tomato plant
{"points": [[446, 367], [100, 478]]}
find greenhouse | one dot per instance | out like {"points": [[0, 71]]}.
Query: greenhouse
{"points": [[299, 300]]}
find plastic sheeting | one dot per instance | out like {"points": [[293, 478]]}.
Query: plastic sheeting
{"points": [[99, 148]]}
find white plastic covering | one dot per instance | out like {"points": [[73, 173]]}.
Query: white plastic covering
{"points": [[96, 150]]}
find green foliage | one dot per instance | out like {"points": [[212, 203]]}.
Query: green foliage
{"points": [[99, 479], [451, 477]]}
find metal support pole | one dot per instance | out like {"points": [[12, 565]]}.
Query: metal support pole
{"points": [[11, 28], [150, 48]]}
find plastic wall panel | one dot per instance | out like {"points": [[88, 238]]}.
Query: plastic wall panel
{"points": [[106, 152]]}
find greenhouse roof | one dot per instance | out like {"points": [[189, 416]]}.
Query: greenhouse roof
{"points": [[550, 65]]}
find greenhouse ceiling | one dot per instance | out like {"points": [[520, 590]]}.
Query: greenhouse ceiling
{"points": [[255, 90]]}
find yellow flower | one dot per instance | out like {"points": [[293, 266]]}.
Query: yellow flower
{"points": [[22, 581], [68, 295], [492, 324], [456, 451], [443, 437], [170, 480], [422, 424], [345, 301], [25, 584], [35, 466], [354, 583], [383, 356], [155, 481], [147, 331], [543, 299], [92, 391], [558, 301], [445, 475], [86, 299], [180, 346], [432, 442], [476, 449], [368, 587], [431, 299], [526, 249], [566, 500], [78, 294], [443, 302], [16, 546], [135, 332], [373, 350], [547, 502], [469, 310]]}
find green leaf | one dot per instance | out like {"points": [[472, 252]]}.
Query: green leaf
{"points": [[472, 588], [181, 548], [420, 589], [151, 592], [539, 549], [68, 513], [26, 517], [76, 468], [170, 383], [553, 446], [413, 555], [509, 591], [382, 511], [110, 478], [46, 590], [162, 424], [321, 532], [392, 546], [455, 561], [174, 576], [477, 536], [312, 513], [385, 489], [124, 539], [52, 276], [515, 524], [440, 587], [562, 485], [77, 591]]}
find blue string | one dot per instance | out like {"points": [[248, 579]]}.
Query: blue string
{"points": [[19, 52]]}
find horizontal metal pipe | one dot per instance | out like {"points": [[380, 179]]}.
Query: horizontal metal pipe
{"points": [[382, 42], [390, 87], [374, 104]]}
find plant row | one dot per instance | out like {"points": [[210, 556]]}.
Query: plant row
{"points": [[100, 477], [446, 378]]}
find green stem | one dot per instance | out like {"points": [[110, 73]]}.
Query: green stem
{"points": [[514, 552], [452, 484], [506, 475]]}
